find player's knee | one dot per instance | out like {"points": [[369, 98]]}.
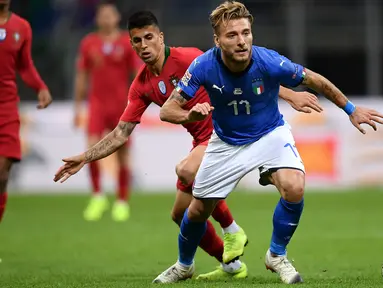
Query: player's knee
{"points": [[200, 210], [185, 173], [292, 187]]}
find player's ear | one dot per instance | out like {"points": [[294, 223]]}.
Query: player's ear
{"points": [[162, 37], [216, 40]]}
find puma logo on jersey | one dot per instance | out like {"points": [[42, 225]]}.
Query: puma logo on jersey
{"points": [[218, 88], [282, 61]]}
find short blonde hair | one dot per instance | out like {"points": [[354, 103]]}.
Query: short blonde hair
{"points": [[227, 11]]}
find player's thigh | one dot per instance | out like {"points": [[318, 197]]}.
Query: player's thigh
{"points": [[281, 162], [222, 166], [96, 125], [181, 203], [188, 167], [10, 150], [10, 145]]}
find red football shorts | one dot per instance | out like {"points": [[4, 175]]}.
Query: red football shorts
{"points": [[189, 188], [10, 145], [101, 121]]}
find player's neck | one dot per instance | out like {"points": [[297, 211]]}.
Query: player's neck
{"points": [[109, 34], [156, 67], [234, 66], [4, 14]]}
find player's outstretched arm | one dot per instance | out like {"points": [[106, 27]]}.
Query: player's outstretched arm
{"points": [[358, 115], [301, 101], [107, 146]]}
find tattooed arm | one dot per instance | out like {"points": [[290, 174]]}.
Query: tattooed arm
{"points": [[172, 110], [323, 86], [110, 143]]}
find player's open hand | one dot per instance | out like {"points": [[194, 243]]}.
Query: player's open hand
{"points": [[365, 116], [305, 102], [200, 111], [72, 166], [44, 98]]}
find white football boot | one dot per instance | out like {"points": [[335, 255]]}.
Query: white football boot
{"points": [[175, 273], [283, 267]]}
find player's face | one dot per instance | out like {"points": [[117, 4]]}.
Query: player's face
{"points": [[235, 39], [107, 17], [147, 42]]}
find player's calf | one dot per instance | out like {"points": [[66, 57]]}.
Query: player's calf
{"points": [[5, 166], [290, 183]]}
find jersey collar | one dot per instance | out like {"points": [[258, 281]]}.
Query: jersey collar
{"points": [[167, 54]]}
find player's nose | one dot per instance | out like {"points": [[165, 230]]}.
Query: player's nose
{"points": [[241, 41]]}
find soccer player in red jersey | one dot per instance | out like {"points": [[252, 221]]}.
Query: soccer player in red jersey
{"points": [[108, 63], [163, 68], [15, 56]]}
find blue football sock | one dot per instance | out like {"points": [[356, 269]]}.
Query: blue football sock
{"points": [[190, 235], [285, 221]]}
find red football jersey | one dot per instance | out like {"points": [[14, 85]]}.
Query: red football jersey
{"points": [[110, 66], [15, 56], [147, 88]]}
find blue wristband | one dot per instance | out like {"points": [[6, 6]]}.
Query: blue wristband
{"points": [[349, 108]]}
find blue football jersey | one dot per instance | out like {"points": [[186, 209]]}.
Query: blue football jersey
{"points": [[245, 104]]}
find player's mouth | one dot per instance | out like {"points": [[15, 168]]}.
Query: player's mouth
{"points": [[145, 55], [241, 51]]}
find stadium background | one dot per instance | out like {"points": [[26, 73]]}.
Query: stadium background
{"points": [[340, 39], [44, 241]]}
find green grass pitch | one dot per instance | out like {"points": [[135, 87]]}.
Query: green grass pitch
{"points": [[44, 242]]}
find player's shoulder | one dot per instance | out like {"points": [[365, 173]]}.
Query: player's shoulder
{"points": [[184, 55], [207, 58], [180, 52], [20, 21], [260, 52], [89, 38]]}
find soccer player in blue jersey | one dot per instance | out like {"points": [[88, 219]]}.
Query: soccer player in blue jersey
{"points": [[243, 81]]}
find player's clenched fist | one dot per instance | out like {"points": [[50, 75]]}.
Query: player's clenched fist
{"points": [[200, 111]]}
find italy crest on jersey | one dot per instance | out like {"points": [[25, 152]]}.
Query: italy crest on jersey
{"points": [[258, 87], [3, 34]]}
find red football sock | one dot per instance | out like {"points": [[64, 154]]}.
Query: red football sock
{"points": [[124, 184], [222, 214], [94, 168], [3, 203], [211, 243]]}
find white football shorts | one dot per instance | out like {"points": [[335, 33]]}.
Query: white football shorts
{"points": [[223, 165]]}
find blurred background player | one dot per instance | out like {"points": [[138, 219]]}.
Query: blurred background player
{"points": [[15, 56], [106, 62], [154, 83]]}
